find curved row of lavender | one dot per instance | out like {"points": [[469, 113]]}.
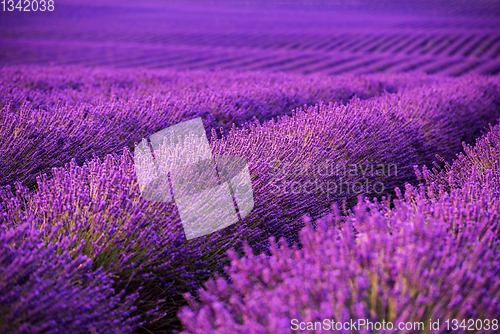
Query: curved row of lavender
{"points": [[435, 255], [141, 244], [50, 115]]}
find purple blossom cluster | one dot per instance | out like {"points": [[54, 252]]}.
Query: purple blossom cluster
{"points": [[68, 164], [50, 287], [433, 256]]}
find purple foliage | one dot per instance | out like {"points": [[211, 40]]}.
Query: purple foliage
{"points": [[479, 160], [406, 129], [141, 243], [50, 287], [81, 251]]}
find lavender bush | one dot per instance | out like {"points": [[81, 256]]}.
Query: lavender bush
{"points": [[433, 256], [391, 129], [141, 243], [52, 288], [403, 266], [479, 160]]}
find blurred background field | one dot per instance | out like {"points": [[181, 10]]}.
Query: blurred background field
{"points": [[332, 37]]}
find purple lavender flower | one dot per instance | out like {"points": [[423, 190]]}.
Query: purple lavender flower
{"points": [[52, 288]]}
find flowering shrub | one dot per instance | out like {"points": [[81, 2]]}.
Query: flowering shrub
{"points": [[479, 160], [433, 256], [141, 243], [51, 288], [406, 129]]}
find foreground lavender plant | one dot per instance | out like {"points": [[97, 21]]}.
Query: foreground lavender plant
{"points": [[51, 288], [424, 260], [141, 243], [435, 255]]}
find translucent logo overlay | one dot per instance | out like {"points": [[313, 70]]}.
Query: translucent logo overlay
{"points": [[210, 191]]}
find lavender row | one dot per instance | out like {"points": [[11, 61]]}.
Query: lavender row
{"points": [[143, 243], [51, 115], [326, 154], [226, 96], [433, 257]]}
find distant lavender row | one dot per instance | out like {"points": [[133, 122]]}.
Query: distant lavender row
{"points": [[143, 243], [434, 256], [224, 95], [51, 115]]}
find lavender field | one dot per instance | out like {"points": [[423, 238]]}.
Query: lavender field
{"points": [[371, 135]]}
